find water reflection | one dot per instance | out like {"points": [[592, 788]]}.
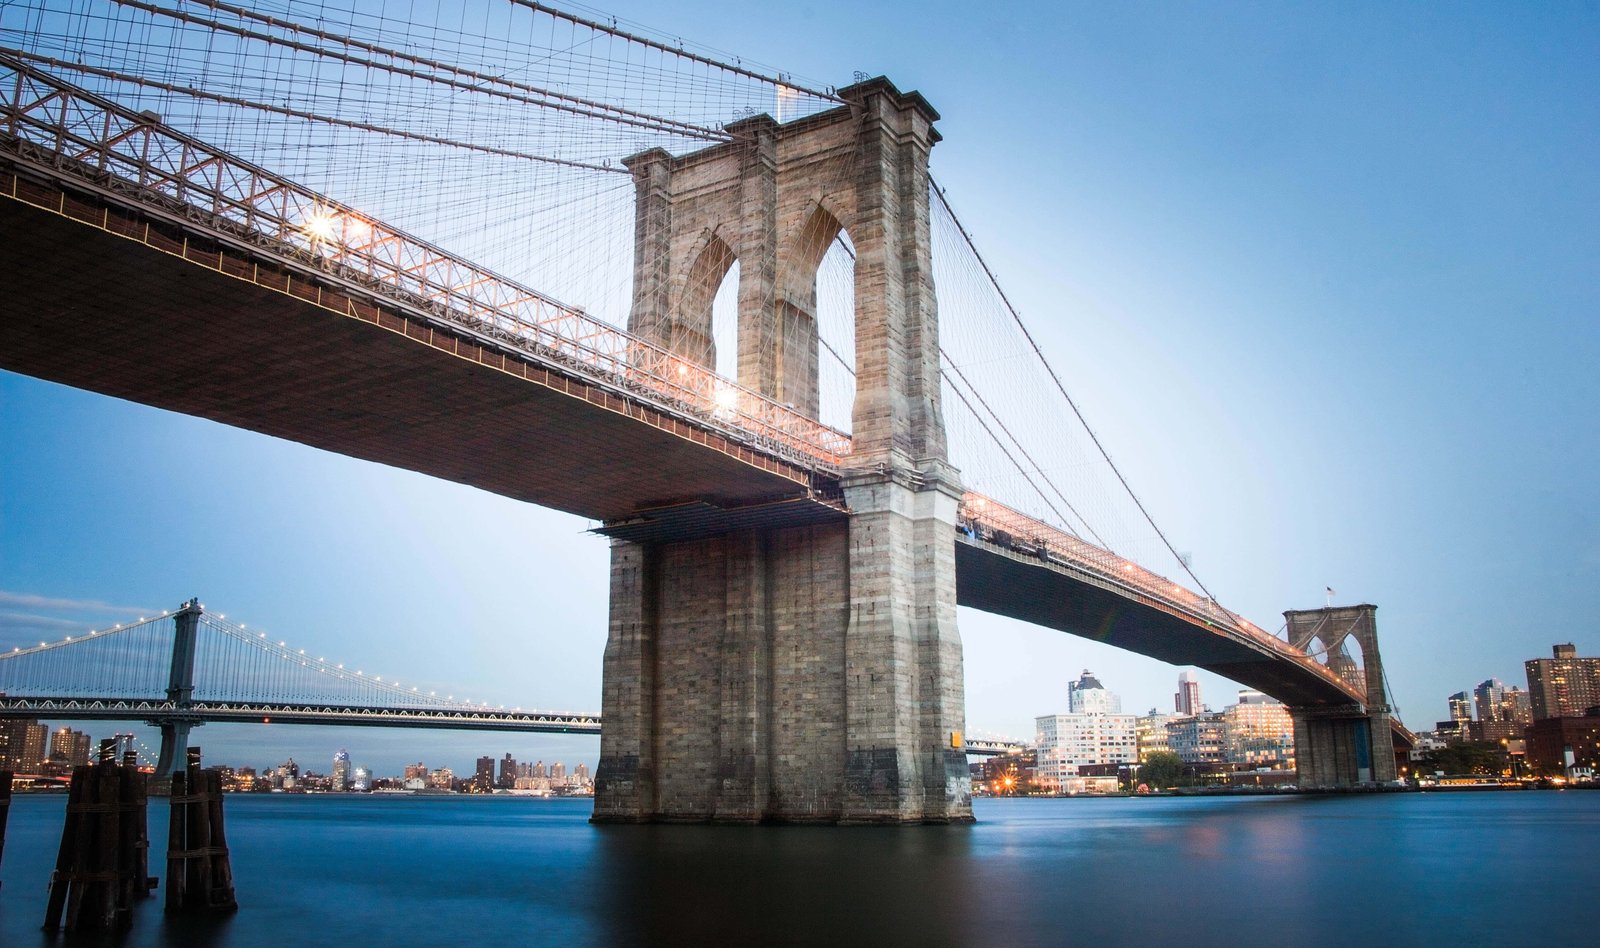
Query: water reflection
{"points": [[787, 885]]}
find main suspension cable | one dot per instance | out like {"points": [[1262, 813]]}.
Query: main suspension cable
{"points": [[1017, 318], [297, 113]]}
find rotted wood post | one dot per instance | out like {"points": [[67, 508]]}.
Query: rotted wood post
{"points": [[97, 870], [199, 876]]}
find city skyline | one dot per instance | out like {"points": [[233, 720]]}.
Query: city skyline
{"points": [[1176, 241]]}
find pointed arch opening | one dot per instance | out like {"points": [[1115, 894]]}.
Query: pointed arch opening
{"points": [[816, 320], [693, 329]]}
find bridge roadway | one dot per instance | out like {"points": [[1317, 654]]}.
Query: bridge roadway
{"points": [[126, 295]]}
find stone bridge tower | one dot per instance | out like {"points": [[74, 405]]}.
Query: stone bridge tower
{"points": [[1344, 747], [800, 674]]}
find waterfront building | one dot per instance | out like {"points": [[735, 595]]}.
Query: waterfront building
{"points": [[1010, 774], [415, 771], [1550, 739], [1565, 686], [1088, 696], [69, 748], [508, 772], [580, 775], [22, 745], [1425, 743], [1065, 742], [340, 778], [1460, 706], [284, 776], [361, 779], [1186, 702], [1150, 733], [1198, 739], [1258, 732], [442, 779]]}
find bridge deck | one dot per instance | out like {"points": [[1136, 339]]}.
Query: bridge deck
{"points": [[994, 579], [254, 346]]}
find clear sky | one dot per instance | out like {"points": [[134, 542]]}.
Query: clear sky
{"points": [[1323, 278]]}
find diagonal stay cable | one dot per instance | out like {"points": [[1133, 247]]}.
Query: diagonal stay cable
{"points": [[987, 430], [1017, 318], [1037, 469]]}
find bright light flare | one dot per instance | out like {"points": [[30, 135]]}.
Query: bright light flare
{"points": [[725, 398], [321, 225]]}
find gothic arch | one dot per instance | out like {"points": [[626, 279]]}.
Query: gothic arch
{"points": [[691, 333]]}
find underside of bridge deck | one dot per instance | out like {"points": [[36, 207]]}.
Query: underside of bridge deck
{"points": [[993, 579], [84, 307]]}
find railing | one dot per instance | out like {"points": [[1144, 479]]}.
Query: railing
{"points": [[237, 199], [990, 520]]}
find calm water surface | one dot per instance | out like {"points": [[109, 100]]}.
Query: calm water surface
{"points": [[1418, 869]]}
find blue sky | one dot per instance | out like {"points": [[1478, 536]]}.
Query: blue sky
{"points": [[1323, 278]]}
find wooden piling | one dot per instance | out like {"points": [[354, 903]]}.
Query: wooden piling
{"points": [[98, 866], [5, 809], [199, 875]]}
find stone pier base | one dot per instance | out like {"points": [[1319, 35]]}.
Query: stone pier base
{"points": [[801, 675]]}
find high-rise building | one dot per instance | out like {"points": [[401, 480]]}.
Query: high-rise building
{"points": [[580, 775], [1258, 732], [1460, 706], [1565, 686], [1186, 702], [442, 779], [69, 748], [483, 776], [1150, 732], [508, 772], [22, 745], [1088, 696], [361, 779], [558, 771], [416, 771], [538, 769], [1487, 698], [341, 772], [1197, 739]]}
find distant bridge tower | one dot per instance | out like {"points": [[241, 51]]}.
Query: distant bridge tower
{"points": [[1353, 745], [806, 674], [180, 691]]}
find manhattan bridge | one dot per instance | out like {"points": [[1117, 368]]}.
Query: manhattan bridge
{"points": [[727, 313]]}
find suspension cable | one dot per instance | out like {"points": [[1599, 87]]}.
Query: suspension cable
{"points": [[395, 69], [1037, 469], [613, 30], [299, 114], [1017, 318]]}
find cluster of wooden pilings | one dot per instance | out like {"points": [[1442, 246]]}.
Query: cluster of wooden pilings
{"points": [[103, 862], [199, 876], [102, 867]]}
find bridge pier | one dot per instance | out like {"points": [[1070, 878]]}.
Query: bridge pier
{"points": [[1347, 746], [797, 674]]}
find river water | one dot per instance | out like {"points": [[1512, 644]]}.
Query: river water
{"points": [[1416, 869]]}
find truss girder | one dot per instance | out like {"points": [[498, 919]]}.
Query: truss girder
{"points": [[234, 199]]}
